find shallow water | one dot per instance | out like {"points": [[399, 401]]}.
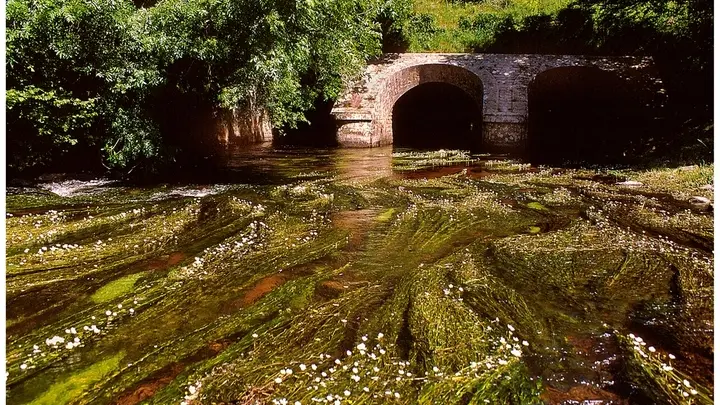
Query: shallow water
{"points": [[373, 277]]}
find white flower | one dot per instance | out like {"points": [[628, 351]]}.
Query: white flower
{"points": [[525, 343], [380, 335], [313, 366], [516, 353], [298, 403], [254, 335], [108, 312], [397, 395], [355, 378], [361, 346], [693, 392], [192, 389], [366, 389], [288, 371], [511, 328], [347, 393], [23, 366], [672, 356], [119, 306], [652, 349], [686, 383], [685, 394], [364, 339], [278, 380], [435, 369], [502, 361], [302, 367]]}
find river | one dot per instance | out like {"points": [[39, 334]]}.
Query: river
{"points": [[363, 276]]}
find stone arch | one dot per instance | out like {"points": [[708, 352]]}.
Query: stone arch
{"points": [[400, 82]]}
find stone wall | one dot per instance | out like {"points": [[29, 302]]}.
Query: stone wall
{"points": [[242, 126]]}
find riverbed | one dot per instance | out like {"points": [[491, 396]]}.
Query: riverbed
{"points": [[364, 276]]}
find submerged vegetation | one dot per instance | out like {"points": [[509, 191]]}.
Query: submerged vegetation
{"points": [[490, 283]]}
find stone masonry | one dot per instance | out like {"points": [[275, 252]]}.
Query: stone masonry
{"points": [[498, 82]]}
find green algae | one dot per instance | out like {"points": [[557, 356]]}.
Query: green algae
{"points": [[386, 215], [454, 281], [536, 206], [116, 288], [75, 386]]}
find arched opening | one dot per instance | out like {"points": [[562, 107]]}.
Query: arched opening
{"points": [[581, 115], [436, 115]]}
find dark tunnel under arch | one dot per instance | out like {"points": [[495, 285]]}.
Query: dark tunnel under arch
{"points": [[436, 115], [581, 114]]}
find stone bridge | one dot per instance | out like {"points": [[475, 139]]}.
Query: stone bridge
{"points": [[498, 83]]}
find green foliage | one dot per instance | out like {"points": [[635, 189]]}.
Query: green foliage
{"points": [[93, 73], [71, 65]]}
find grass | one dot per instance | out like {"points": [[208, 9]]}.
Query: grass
{"points": [[450, 35]]}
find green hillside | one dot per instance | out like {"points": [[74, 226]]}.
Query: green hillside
{"points": [[449, 26]]}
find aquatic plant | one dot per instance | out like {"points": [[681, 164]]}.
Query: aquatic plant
{"points": [[501, 289]]}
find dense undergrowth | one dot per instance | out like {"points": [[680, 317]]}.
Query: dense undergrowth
{"points": [[498, 286]]}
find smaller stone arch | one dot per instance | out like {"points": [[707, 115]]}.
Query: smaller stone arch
{"points": [[397, 84]]}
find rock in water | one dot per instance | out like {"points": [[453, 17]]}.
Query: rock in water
{"points": [[699, 201], [629, 183]]}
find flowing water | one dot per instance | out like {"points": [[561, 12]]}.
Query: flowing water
{"points": [[362, 276]]}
